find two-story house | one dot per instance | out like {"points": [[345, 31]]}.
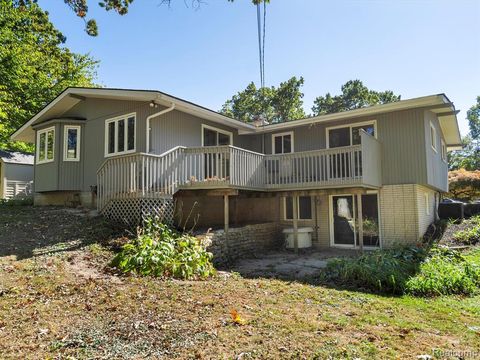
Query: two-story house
{"points": [[368, 177]]}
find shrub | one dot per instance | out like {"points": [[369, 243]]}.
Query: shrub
{"points": [[414, 271], [470, 235], [463, 184], [445, 272], [28, 201], [380, 270], [160, 251]]}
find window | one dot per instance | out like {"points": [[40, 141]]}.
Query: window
{"points": [[444, 150], [348, 135], [71, 144], [427, 204], [46, 145], [282, 143], [433, 137], [120, 135], [215, 137], [304, 208]]}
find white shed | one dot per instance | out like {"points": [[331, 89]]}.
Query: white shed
{"points": [[16, 174]]}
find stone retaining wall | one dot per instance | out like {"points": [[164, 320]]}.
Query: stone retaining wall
{"points": [[244, 242]]}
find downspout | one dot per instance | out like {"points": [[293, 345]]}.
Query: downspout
{"points": [[164, 111]]}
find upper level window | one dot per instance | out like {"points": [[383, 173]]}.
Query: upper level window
{"points": [[212, 136], [46, 145], [120, 135], [433, 137], [444, 150], [71, 144], [348, 135], [282, 143], [304, 207]]}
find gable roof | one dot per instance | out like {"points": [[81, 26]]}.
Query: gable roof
{"points": [[16, 157], [71, 96]]}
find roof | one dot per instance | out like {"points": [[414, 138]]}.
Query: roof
{"points": [[16, 157], [438, 103]]}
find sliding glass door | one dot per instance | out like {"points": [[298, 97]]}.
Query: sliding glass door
{"points": [[344, 221]]}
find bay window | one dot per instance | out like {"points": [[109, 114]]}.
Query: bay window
{"points": [[71, 144], [46, 145]]}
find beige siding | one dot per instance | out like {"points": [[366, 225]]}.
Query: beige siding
{"points": [[426, 208], [437, 169], [399, 215], [323, 220]]}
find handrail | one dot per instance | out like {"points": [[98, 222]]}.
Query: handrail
{"points": [[152, 175]]}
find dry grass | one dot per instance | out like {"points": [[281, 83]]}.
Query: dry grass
{"points": [[64, 304]]}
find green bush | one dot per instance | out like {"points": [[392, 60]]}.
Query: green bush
{"points": [[414, 271], [471, 235], [160, 251], [28, 201], [445, 272], [380, 270]]}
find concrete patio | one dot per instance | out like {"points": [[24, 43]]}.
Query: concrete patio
{"points": [[285, 264]]}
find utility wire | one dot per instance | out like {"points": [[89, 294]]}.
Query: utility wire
{"points": [[263, 43], [259, 27]]}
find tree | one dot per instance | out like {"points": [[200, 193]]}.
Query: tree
{"points": [[468, 157], [274, 104], [80, 8], [34, 66], [354, 95], [473, 117], [463, 184]]}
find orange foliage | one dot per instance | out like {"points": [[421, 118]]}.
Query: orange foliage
{"points": [[463, 184]]}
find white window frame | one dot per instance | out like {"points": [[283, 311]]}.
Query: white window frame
{"points": [[116, 120], [330, 223], [350, 126], [433, 137], [65, 142], [298, 208], [224, 132], [282, 135], [444, 150], [45, 131], [427, 203]]}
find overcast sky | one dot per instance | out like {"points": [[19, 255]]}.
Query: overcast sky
{"points": [[414, 48]]}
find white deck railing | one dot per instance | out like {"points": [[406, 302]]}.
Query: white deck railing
{"points": [[148, 175]]}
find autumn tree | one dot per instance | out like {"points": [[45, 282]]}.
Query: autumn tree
{"points": [[35, 66], [354, 95]]}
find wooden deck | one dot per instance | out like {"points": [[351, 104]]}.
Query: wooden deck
{"points": [[218, 167]]}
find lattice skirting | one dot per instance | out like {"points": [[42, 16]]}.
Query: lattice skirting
{"points": [[133, 211]]}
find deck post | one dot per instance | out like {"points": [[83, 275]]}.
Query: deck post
{"points": [[360, 221], [225, 220], [295, 222]]}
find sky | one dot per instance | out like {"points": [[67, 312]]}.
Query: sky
{"points": [[207, 54]]}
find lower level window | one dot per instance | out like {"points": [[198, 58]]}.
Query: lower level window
{"points": [[304, 206], [46, 145]]}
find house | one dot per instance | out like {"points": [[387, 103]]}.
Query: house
{"points": [[16, 174], [368, 177]]}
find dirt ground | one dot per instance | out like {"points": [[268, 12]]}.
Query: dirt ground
{"points": [[59, 300]]}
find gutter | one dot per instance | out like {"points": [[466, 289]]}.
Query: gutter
{"points": [[164, 111]]}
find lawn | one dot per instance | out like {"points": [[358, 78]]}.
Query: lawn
{"points": [[56, 300]]}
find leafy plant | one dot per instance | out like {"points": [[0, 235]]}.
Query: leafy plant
{"points": [[380, 270], [445, 272], [160, 251], [471, 235], [410, 270]]}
